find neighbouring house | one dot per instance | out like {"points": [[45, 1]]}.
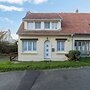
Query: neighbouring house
{"points": [[6, 36], [49, 36]]}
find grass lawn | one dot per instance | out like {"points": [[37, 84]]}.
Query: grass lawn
{"points": [[10, 66]]}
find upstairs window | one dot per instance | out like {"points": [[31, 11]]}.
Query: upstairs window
{"points": [[60, 45], [54, 25], [30, 25], [37, 25], [47, 25]]}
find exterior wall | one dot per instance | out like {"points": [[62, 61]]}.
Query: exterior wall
{"points": [[25, 25], [39, 55]]}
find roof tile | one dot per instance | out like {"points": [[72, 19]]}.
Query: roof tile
{"points": [[42, 16]]}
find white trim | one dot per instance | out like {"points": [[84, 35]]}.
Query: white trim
{"points": [[42, 25], [50, 25], [27, 52], [61, 52]]}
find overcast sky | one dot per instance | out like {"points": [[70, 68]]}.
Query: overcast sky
{"points": [[12, 11]]}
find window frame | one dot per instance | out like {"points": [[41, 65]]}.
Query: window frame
{"points": [[36, 26], [45, 26], [60, 45], [54, 24], [30, 27], [32, 43], [81, 47]]}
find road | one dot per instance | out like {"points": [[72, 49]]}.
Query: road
{"points": [[62, 79]]}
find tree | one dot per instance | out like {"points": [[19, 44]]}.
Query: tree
{"points": [[7, 48]]}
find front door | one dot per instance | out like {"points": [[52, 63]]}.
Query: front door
{"points": [[47, 50]]}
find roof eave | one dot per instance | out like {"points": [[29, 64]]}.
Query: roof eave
{"points": [[41, 19], [24, 34], [82, 34]]}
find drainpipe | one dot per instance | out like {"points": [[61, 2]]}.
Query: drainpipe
{"points": [[72, 41]]}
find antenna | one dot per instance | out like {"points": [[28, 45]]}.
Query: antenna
{"points": [[77, 11]]}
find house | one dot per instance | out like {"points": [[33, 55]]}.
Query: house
{"points": [[49, 36], [6, 36]]}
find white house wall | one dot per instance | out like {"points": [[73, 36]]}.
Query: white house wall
{"points": [[39, 55]]}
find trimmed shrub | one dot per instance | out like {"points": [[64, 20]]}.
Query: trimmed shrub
{"points": [[73, 55]]}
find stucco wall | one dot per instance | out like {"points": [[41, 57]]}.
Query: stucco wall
{"points": [[39, 55]]}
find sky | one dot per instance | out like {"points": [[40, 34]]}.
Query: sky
{"points": [[12, 11]]}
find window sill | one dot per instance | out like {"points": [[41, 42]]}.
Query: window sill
{"points": [[38, 29], [34, 53], [61, 52]]}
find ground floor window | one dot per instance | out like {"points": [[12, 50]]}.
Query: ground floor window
{"points": [[60, 45], [82, 46], [29, 45]]}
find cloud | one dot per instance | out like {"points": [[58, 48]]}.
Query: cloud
{"points": [[22, 1], [39, 1], [5, 19], [10, 8], [14, 1]]}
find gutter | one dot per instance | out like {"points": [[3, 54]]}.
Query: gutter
{"points": [[42, 33], [82, 34], [72, 41]]}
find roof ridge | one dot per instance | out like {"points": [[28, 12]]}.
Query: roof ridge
{"points": [[44, 12]]}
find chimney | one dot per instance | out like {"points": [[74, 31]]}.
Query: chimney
{"points": [[77, 11]]}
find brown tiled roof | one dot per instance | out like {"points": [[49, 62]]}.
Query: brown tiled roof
{"points": [[42, 32], [42, 16], [72, 23], [21, 28]]}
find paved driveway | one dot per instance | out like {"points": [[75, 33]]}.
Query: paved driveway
{"points": [[62, 79]]}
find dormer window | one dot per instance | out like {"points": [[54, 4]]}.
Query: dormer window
{"points": [[30, 25], [54, 25], [37, 25], [43, 25], [47, 25]]}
